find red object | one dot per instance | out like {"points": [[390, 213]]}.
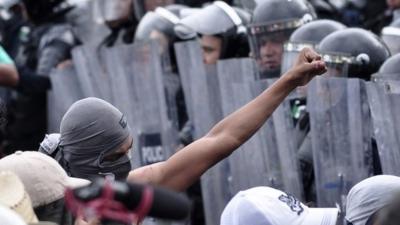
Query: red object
{"points": [[105, 207]]}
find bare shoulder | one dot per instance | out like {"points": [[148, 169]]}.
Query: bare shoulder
{"points": [[151, 174]]}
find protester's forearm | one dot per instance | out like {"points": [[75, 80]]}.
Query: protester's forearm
{"points": [[242, 124]]}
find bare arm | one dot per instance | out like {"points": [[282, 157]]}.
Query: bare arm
{"points": [[8, 75], [186, 166]]}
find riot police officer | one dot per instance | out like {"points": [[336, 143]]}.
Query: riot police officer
{"points": [[221, 29], [271, 26], [49, 43]]}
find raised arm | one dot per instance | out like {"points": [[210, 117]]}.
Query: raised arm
{"points": [[187, 165]]}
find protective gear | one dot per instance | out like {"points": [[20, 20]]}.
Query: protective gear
{"points": [[159, 25], [353, 52], [315, 31], [90, 130], [272, 24], [390, 70], [220, 20], [66, 89], [54, 47], [341, 137], [163, 20], [391, 36], [308, 35], [384, 104]]}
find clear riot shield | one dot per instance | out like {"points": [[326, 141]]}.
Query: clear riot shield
{"points": [[90, 64], [269, 157], [237, 84], [288, 139], [234, 71], [384, 103], [66, 90], [341, 137], [256, 163], [201, 90], [155, 130], [272, 151]]}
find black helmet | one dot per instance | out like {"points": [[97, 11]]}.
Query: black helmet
{"points": [[315, 31], [308, 35], [353, 52], [390, 70], [272, 23], [391, 36], [40, 11], [221, 20]]}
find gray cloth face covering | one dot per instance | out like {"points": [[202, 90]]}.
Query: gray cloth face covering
{"points": [[91, 129]]}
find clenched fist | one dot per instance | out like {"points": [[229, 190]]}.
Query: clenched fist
{"points": [[308, 65]]}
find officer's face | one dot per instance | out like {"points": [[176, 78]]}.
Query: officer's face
{"points": [[271, 50], [211, 46]]}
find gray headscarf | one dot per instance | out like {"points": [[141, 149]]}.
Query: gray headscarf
{"points": [[90, 129]]}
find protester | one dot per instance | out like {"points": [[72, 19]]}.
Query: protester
{"points": [[44, 180], [14, 197], [9, 217], [369, 196], [265, 205]]}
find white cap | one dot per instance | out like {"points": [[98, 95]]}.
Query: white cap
{"points": [[369, 196], [44, 179], [14, 196], [9, 217], [268, 206]]}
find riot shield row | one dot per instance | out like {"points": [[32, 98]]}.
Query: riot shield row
{"points": [[334, 127], [343, 119]]}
